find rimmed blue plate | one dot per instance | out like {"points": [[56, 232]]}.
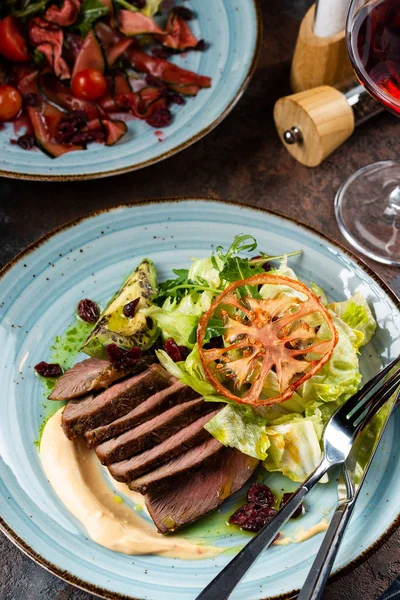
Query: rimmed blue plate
{"points": [[233, 30], [89, 258]]}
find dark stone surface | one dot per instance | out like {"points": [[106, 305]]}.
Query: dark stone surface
{"points": [[242, 160]]}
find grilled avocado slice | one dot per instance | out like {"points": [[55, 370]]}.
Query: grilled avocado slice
{"points": [[113, 327]]}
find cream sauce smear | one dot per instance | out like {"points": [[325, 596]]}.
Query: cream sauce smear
{"points": [[76, 476]]}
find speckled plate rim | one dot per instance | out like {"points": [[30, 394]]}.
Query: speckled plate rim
{"points": [[106, 594], [179, 147]]}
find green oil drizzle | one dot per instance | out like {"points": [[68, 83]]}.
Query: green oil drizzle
{"points": [[63, 351], [234, 550]]}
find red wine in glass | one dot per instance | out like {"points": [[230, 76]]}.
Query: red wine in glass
{"points": [[375, 49]]}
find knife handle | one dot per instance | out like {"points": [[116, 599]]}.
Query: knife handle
{"points": [[315, 583]]}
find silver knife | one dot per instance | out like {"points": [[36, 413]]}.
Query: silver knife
{"points": [[348, 490]]}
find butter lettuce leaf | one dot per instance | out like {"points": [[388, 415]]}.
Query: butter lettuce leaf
{"points": [[190, 372], [356, 313], [295, 448], [178, 319], [238, 426], [206, 271]]}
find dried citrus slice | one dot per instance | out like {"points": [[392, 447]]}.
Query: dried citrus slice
{"points": [[287, 338]]}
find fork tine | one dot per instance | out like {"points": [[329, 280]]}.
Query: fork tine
{"points": [[367, 387], [366, 411]]}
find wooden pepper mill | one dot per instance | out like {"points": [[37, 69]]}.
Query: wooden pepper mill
{"points": [[319, 60], [314, 123]]}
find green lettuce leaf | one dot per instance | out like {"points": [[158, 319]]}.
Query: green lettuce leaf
{"points": [[319, 292], [238, 426], [272, 290], [356, 313], [206, 271], [178, 320], [191, 373], [295, 448]]}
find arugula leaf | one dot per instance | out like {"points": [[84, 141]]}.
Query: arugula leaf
{"points": [[242, 243], [38, 57], [214, 329], [239, 268], [28, 9], [91, 11], [180, 286]]}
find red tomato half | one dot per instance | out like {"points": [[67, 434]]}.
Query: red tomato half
{"points": [[10, 102], [89, 84], [13, 45]]}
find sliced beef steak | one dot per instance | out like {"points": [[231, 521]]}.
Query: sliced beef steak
{"points": [[192, 459], [127, 470], [80, 416], [171, 396], [185, 499], [152, 432], [90, 374]]}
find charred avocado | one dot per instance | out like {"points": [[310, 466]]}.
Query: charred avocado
{"points": [[113, 327]]}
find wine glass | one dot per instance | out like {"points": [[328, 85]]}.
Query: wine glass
{"points": [[367, 205]]}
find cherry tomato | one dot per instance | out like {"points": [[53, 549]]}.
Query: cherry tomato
{"points": [[89, 84], [10, 102], [13, 45], [262, 337]]}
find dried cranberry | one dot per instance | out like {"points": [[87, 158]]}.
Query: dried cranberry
{"points": [[32, 99], [45, 369], [173, 350], [160, 118], [176, 99], [130, 358], [114, 353], [71, 125], [184, 352], [261, 495], [251, 517], [260, 518], [74, 121], [27, 141], [123, 359], [200, 46], [88, 311], [298, 512], [129, 309], [242, 515], [183, 12], [134, 353]]}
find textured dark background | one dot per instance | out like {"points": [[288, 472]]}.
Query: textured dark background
{"points": [[241, 160]]}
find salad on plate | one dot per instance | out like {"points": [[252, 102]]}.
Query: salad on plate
{"points": [[230, 368], [73, 72]]}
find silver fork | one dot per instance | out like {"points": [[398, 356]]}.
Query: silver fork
{"points": [[340, 433], [348, 490]]}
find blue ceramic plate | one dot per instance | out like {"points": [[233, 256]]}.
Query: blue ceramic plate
{"points": [[89, 258], [233, 30]]}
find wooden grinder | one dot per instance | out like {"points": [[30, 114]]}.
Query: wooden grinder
{"points": [[318, 60], [314, 123]]}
